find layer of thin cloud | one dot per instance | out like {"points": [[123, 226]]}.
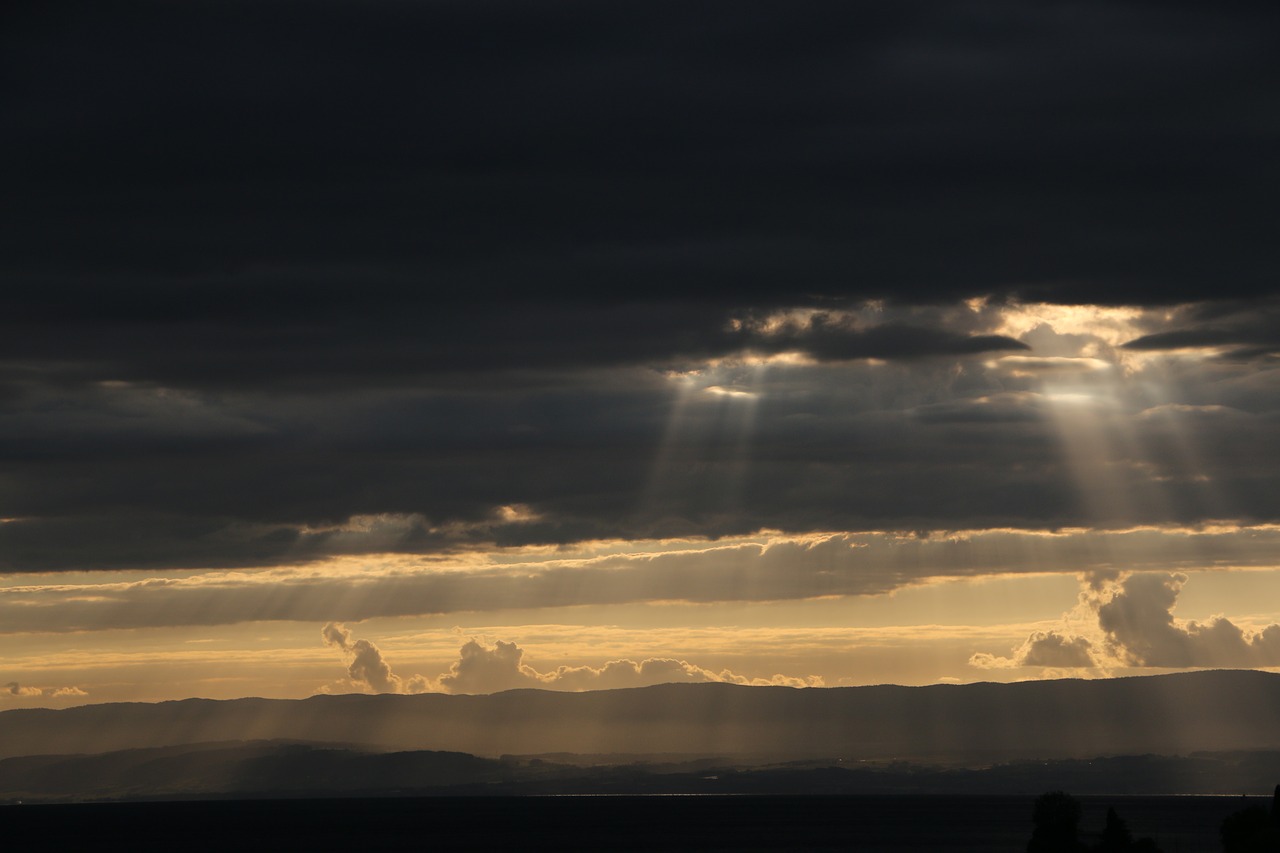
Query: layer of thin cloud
{"points": [[482, 668], [765, 569]]}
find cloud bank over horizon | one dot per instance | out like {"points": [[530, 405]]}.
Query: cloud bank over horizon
{"points": [[1135, 626], [482, 668]]}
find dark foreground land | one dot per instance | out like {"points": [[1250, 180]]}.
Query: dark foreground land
{"points": [[986, 824]]}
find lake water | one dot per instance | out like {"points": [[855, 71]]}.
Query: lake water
{"points": [[743, 823]]}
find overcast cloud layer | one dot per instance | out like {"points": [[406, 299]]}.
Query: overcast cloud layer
{"points": [[290, 280]]}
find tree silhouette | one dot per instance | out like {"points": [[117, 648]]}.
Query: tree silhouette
{"points": [[1253, 830], [1057, 820], [1116, 836]]}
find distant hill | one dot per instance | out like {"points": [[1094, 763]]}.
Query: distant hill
{"points": [[273, 770], [963, 724], [258, 768]]}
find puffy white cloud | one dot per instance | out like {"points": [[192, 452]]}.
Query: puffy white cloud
{"points": [[366, 666], [1044, 649], [13, 688], [1136, 627], [1137, 620], [482, 668]]}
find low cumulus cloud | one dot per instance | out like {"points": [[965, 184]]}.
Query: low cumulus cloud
{"points": [[1135, 626], [1140, 629], [13, 688], [485, 669], [481, 668], [366, 668], [1045, 649]]}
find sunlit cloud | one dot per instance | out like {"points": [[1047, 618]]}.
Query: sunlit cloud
{"points": [[1127, 619], [1112, 325], [482, 668], [1136, 615], [1027, 366], [20, 691], [729, 392], [1043, 649], [365, 664], [768, 568]]}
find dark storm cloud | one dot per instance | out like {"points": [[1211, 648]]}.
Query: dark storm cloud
{"points": [[828, 338], [1242, 330], [447, 154], [438, 345], [271, 266], [214, 194], [141, 477], [997, 408]]}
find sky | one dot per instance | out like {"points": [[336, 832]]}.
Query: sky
{"points": [[393, 346]]}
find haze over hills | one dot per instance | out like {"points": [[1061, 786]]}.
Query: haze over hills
{"points": [[962, 724], [283, 769]]}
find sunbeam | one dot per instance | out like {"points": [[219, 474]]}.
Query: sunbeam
{"points": [[704, 454]]}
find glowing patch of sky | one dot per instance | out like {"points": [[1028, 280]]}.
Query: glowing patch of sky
{"points": [[919, 634]]}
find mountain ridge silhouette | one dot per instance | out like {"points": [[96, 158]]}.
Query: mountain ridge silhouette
{"points": [[1170, 714]]}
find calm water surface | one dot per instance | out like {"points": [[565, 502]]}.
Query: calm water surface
{"points": [[986, 824]]}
